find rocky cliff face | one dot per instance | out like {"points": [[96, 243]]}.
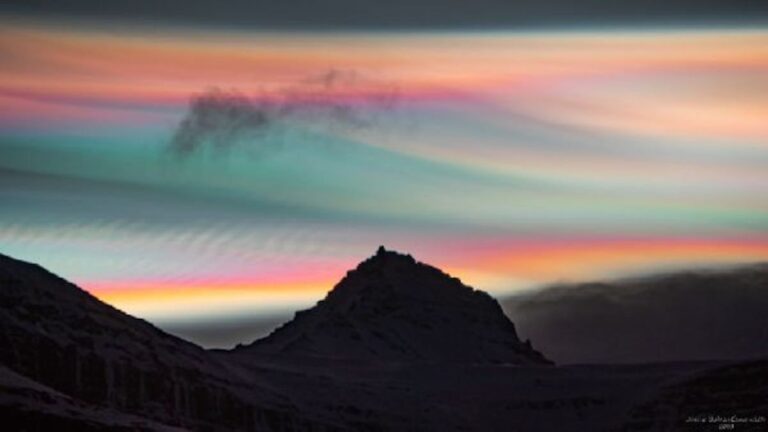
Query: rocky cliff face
{"points": [[58, 335], [393, 308]]}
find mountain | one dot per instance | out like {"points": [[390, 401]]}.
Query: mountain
{"points": [[393, 308], [67, 358], [397, 345], [70, 344], [687, 315]]}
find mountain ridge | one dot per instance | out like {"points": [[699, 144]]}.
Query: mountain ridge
{"points": [[72, 363]]}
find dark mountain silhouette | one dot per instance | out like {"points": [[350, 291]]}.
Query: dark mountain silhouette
{"points": [[691, 315], [394, 308], [70, 343], [445, 359]]}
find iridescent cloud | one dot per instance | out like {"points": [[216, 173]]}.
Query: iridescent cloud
{"points": [[512, 159]]}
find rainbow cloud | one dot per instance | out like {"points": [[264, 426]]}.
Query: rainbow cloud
{"points": [[520, 158]]}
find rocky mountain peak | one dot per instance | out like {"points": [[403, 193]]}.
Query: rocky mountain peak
{"points": [[393, 307]]}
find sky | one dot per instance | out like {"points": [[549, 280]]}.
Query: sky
{"points": [[195, 171]]}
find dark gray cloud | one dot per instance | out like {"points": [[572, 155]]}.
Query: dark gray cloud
{"points": [[685, 316], [330, 14], [220, 118], [335, 99]]}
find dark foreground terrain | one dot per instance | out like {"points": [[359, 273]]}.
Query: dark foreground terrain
{"points": [[396, 346]]}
